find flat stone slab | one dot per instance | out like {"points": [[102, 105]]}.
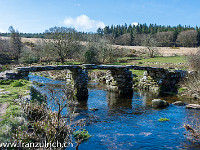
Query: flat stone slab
{"points": [[84, 66], [46, 68], [192, 106]]}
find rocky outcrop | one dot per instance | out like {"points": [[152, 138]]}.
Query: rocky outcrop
{"points": [[158, 103]]}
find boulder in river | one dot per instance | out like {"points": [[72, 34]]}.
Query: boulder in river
{"points": [[192, 106], [158, 103]]}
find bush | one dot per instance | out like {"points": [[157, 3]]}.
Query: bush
{"points": [[194, 61], [91, 56], [6, 82], [81, 135], [192, 82], [28, 56], [44, 124]]}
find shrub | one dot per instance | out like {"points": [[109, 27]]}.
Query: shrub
{"points": [[194, 61], [91, 57], [35, 112], [81, 135], [192, 81], [6, 82], [28, 56], [43, 124]]}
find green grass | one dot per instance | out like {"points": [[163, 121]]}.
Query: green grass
{"points": [[12, 119], [16, 88], [139, 73], [171, 59], [163, 62]]}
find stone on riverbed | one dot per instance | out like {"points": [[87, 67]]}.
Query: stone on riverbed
{"points": [[158, 103], [179, 103], [192, 106], [94, 109]]}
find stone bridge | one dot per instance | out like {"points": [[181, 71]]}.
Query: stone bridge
{"points": [[119, 78]]}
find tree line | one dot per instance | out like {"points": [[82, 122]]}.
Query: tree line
{"points": [[164, 35], [25, 35]]}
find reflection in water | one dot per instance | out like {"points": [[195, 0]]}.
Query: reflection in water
{"points": [[131, 123], [116, 100]]}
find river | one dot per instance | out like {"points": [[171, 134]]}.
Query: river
{"points": [[129, 123]]}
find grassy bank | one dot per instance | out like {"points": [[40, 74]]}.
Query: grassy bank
{"points": [[13, 89]]}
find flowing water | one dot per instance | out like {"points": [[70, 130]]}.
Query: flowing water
{"points": [[129, 123]]}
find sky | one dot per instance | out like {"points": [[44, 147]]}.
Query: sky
{"points": [[36, 16]]}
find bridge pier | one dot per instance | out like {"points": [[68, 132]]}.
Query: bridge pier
{"points": [[120, 80], [78, 79]]}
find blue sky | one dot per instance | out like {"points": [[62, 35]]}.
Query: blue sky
{"points": [[34, 16]]}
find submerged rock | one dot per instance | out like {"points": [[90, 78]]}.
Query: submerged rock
{"points": [[94, 109], [192, 106], [179, 103], [158, 103]]}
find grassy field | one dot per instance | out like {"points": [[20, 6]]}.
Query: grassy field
{"points": [[176, 62], [170, 59]]}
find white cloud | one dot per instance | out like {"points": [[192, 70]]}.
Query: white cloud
{"points": [[2, 31], [83, 23], [134, 23]]}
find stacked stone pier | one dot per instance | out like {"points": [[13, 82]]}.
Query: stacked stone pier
{"points": [[78, 79], [120, 80]]}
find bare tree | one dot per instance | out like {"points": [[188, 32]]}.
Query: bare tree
{"points": [[5, 51], [150, 44], [124, 39], [99, 51], [138, 39], [15, 43], [61, 42], [165, 38], [187, 38], [106, 51]]}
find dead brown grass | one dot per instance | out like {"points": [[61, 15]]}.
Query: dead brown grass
{"points": [[165, 51]]}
